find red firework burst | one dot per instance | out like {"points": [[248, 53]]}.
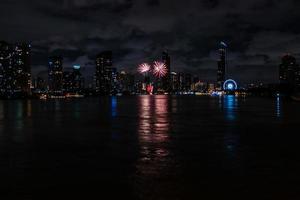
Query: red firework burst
{"points": [[144, 68], [159, 69]]}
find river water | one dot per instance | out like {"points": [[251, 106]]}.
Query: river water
{"points": [[150, 147]]}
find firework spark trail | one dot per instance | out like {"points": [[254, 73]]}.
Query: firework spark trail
{"points": [[144, 68], [159, 69]]}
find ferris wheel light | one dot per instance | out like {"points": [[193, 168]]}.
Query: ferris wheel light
{"points": [[230, 85]]}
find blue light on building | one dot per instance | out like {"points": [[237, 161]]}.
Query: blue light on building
{"points": [[76, 66]]}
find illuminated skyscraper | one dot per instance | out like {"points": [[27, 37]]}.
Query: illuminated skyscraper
{"points": [[174, 82], [181, 81], [5, 67], [221, 74], [56, 75], [21, 63], [289, 74], [187, 82], [77, 79], [67, 82], [166, 80], [105, 75], [15, 76], [126, 82]]}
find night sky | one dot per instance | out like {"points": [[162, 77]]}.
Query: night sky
{"points": [[258, 33]]}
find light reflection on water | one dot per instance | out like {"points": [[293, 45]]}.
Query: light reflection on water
{"points": [[20, 113], [29, 108], [1, 110], [153, 130], [278, 107], [230, 104], [19, 122], [1, 117], [114, 106], [166, 150]]}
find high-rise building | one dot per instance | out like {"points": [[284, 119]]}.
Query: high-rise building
{"points": [[187, 82], [174, 82], [15, 75], [125, 82], [5, 67], [67, 82], [221, 73], [21, 63], [55, 75], [181, 81], [73, 82], [111, 80], [78, 80], [39, 84], [289, 74], [166, 80], [105, 75]]}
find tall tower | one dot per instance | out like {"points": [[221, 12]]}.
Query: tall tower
{"points": [[56, 75], [221, 74], [77, 79], [104, 73], [166, 80]]}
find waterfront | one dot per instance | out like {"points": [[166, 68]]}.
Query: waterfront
{"points": [[150, 147]]}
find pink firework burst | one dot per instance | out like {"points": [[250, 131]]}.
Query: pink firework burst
{"points": [[144, 68], [159, 69]]}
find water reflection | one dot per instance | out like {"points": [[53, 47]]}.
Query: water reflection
{"points": [[114, 106], [1, 117], [231, 140], [58, 112], [231, 143], [174, 105], [230, 103], [19, 114], [29, 108], [77, 111], [153, 130], [278, 107]]}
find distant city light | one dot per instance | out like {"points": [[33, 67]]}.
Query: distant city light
{"points": [[144, 68], [224, 44], [159, 69], [76, 66]]}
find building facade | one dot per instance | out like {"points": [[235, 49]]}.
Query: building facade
{"points": [[15, 71], [221, 73], [289, 74], [55, 75], [166, 80], [73, 81], [106, 75]]}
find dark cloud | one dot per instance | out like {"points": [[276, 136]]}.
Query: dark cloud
{"points": [[258, 32]]}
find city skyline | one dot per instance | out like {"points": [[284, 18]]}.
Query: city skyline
{"points": [[222, 66], [157, 77], [257, 32]]}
